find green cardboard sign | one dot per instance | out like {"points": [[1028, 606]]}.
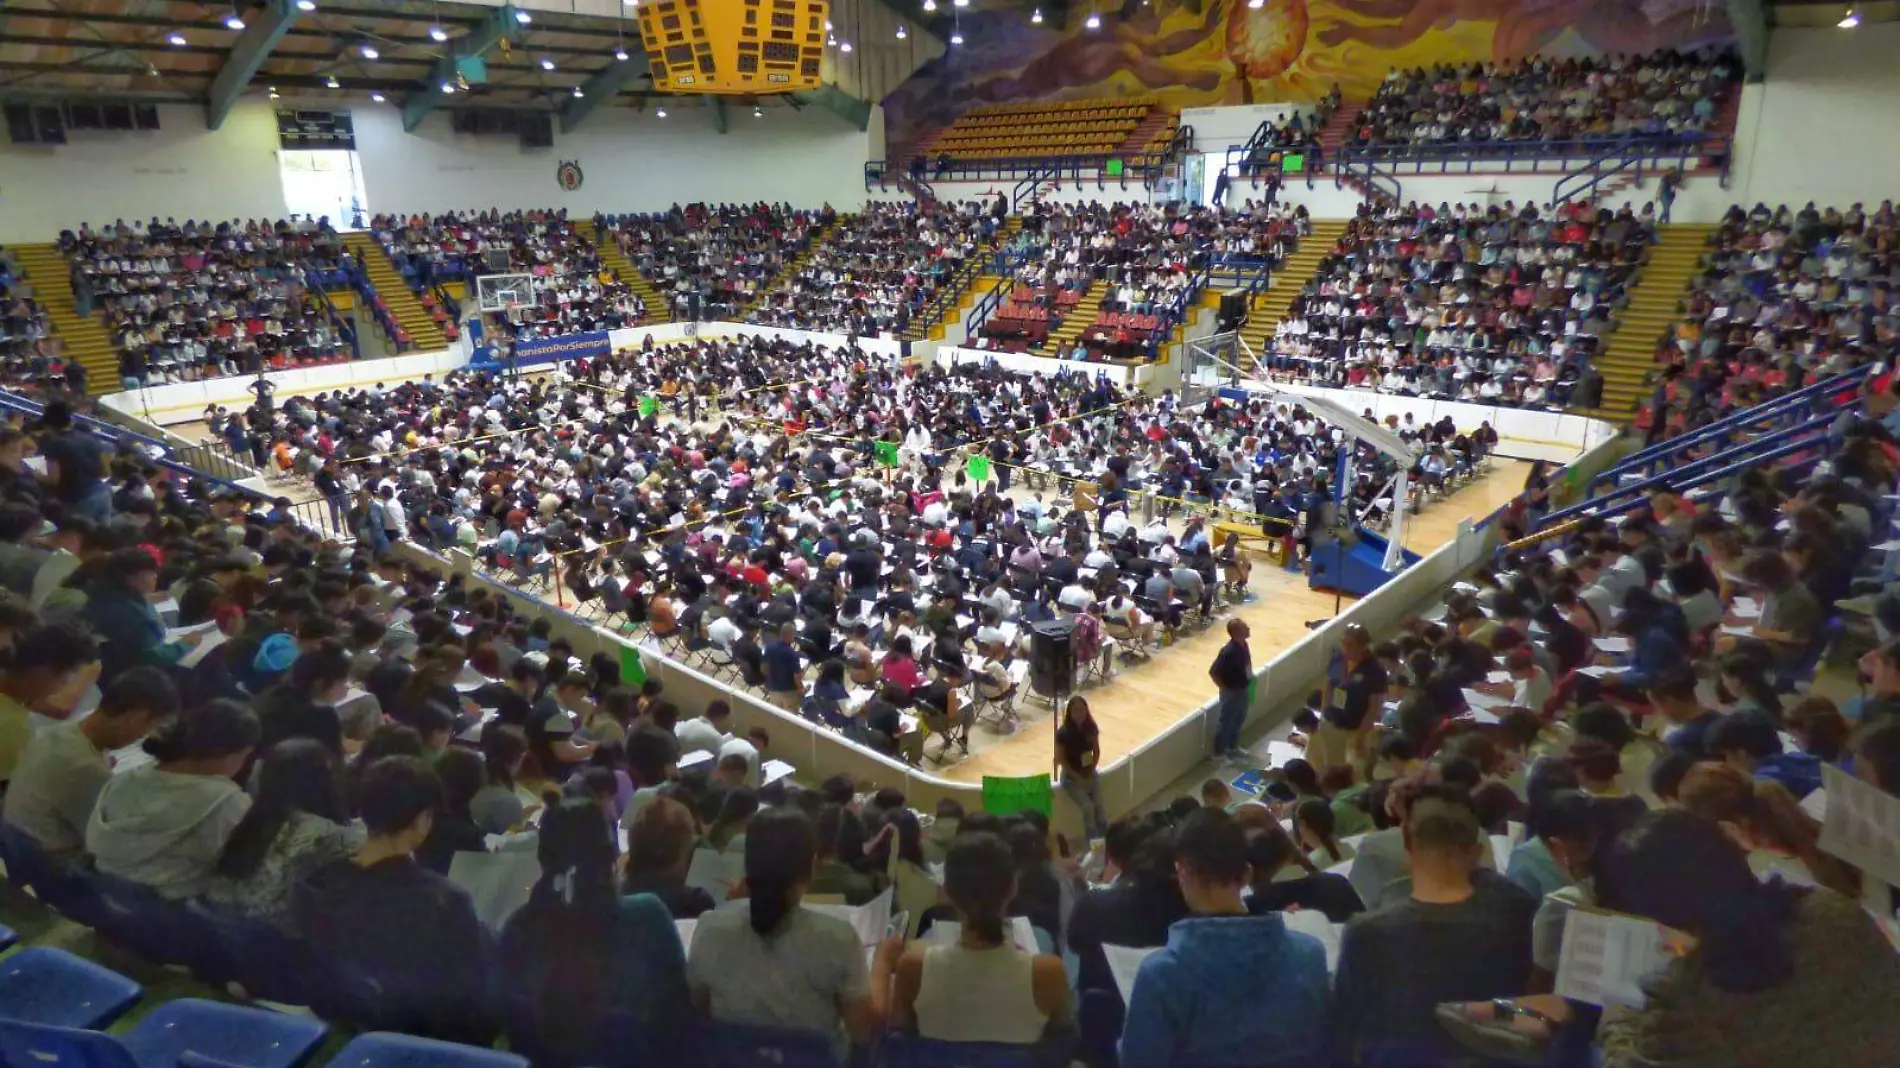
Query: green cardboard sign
{"points": [[1292, 163], [633, 671], [978, 468], [648, 405], [887, 453], [1114, 168], [1006, 797]]}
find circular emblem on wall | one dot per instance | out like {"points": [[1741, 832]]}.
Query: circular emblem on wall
{"points": [[569, 175]]}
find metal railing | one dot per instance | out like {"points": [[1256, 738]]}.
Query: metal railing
{"points": [[1144, 167], [1528, 157], [1754, 452]]}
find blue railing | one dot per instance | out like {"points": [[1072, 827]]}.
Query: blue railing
{"points": [[1787, 407], [1145, 167], [1027, 188], [1682, 482], [1530, 156], [1754, 452]]}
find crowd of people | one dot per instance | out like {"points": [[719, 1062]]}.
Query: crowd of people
{"points": [[203, 299], [878, 270], [1499, 305], [29, 355], [714, 261], [1464, 105], [1786, 298], [572, 292]]}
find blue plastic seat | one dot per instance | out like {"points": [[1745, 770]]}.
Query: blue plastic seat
{"points": [[42, 985], [729, 1045], [8, 937], [904, 1051], [384, 1049], [255, 1038]]}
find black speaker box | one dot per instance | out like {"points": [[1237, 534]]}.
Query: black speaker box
{"points": [[1052, 658]]}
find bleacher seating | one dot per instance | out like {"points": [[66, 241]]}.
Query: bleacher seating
{"points": [[727, 254], [1061, 128], [29, 355], [878, 270]]}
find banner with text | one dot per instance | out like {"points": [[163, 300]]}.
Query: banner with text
{"points": [[539, 350]]}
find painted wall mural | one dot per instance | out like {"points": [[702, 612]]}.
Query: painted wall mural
{"points": [[1204, 53]]}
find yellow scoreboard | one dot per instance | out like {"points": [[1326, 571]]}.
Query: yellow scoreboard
{"points": [[735, 46]]}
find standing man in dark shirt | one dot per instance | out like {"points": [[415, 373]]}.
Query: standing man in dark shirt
{"points": [[76, 465], [1462, 935], [784, 673], [1232, 671], [1347, 720]]}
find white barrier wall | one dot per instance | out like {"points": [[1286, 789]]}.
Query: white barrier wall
{"points": [[1526, 434], [1126, 377]]}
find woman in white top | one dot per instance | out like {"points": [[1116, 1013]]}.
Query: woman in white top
{"points": [[979, 987]]}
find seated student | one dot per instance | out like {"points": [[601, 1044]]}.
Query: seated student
{"points": [[1185, 1007], [298, 823], [303, 704], [981, 988], [408, 951], [1314, 826], [582, 956], [660, 845], [705, 734], [47, 661], [463, 776], [1135, 909], [940, 705], [1461, 935], [1765, 821], [775, 964], [1283, 878], [56, 785], [166, 824]]}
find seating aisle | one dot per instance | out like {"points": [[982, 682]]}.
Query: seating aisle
{"points": [[1270, 307], [408, 312], [85, 336], [1629, 357], [616, 260]]}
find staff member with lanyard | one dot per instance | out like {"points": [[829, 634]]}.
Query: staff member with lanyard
{"points": [[1078, 753], [1232, 671], [1347, 720]]}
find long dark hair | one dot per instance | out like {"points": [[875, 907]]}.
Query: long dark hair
{"points": [[296, 775], [1682, 871], [979, 878], [564, 924], [780, 848]]}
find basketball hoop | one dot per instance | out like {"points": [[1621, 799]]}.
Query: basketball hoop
{"points": [[504, 294]]}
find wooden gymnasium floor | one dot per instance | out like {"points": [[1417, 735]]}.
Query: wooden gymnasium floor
{"points": [[1145, 698]]}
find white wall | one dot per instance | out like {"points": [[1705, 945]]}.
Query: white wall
{"points": [[1825, 125], [1217, 128], [633, 161], [182, 170]]}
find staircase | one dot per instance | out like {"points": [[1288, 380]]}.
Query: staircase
{"points": [[84, 337], [403, 306], [1629, 359], [972, 287], [1078, 318], [1270, 307], [616, 261], [1338, 129], [979, 287], [1158, 125], [797, 263]]}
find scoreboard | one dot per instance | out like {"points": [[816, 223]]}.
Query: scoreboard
{"points": [[735, 46]]}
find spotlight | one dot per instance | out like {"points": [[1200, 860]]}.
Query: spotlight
{"points": [[660, 112], [234, 23], [901, 34], [448, 89], [333, 83], [306, 5], [930, 5], [845, 47], [273, 92], [956, 38], [438, 34], [523, 17], [369, 52], [1036, 16], [377, 97], [1094, 22], [577, 92], [961, 3], [177, 40], [1849, 20], [547, 64], [758, 112], [620, 54]]}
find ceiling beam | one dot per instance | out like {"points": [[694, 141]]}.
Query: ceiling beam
{"points": [[840, 103], [719, 113], [262, 30], [1750, 21], [602, 87], [500, 25], [122, 46]]}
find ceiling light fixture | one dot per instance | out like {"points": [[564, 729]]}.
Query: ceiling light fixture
{"points": [[547, 64], [369, 52], [273, 94], [956, 38], [930, 5], [177, 40], [901, 34], [962, 3], [523, 17], [234, 23], [1849, 20], [1094, 21], [306, 5], [332, 83], [620, 53], [438, 34], [758, 112], [578, 93], [1036, 16], [377, 97], [827, 25], [448, 89], [845, 46], [1256, 4], [660, 112]]}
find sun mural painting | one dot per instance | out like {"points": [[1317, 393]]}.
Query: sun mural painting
{"points": [[1203, 53]]}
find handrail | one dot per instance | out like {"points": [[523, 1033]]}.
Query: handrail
{"points": [[1466, 156], [1746, 417], [1593, 173], [1805, 434], [1715, 475]]}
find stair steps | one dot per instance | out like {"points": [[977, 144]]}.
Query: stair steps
{"points": [[1078, 318], [1270, 307], [83, 337], [615, 260], [1628, 359], [797, 263], [410, 315]]}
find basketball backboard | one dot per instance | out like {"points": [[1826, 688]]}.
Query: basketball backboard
{"points": [[503, 292]]}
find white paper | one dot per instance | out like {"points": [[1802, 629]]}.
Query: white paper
{"points": [[1314, 922], [180, 633], [1614, 643], [1739, 632], [196, 654], [1279, 754], [1862, 825], [1597, 671], [497, 883], [686, 929], [1501, 852], [1606, 957], [871, 919], [773, 770], [1746, 608], [1815, 805], [1124, 963], [695, 758], [715, 872]]}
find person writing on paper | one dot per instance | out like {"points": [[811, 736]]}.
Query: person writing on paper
{"points": [[298, 823], [119, 611], [1283, 878], [582, 949], [57, 782], [1460, 935], [381, 916], [1078, 755], [1765, 820], [660, 845], [47, 661], [980, 987], [1186, 1006], [165, 825], [775, 964], [303, 705]]}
